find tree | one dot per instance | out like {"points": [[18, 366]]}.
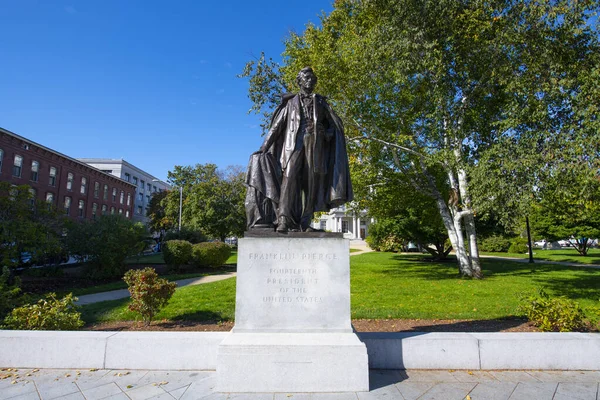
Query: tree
{"points": [[27, 225], [157, 214], [570, 211], [105, 243], [213, 200], [423, 85]]}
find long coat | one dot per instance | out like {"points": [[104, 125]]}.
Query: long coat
{"points": [[329, 158]]}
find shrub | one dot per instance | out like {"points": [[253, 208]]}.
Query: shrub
{"points": [[557, 314], [518, 245], [105, 243], [149, 293], [191, 235], [495, 243], [212, 254], [49, 313], [177, 252], [10, 293]]}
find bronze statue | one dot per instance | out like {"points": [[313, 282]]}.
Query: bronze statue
{"points": [[302, 166]]}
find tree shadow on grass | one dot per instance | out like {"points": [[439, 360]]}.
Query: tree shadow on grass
{"points": [[424, 267]]}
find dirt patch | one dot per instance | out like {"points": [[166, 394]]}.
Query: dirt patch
{"points": [[361, 325]]}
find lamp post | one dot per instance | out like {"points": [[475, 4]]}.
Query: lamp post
{"points": [[180, 205]]}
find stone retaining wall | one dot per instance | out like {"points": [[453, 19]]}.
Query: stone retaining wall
{"points": [[198, 350]]}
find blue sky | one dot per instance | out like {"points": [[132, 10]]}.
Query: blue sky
{"points": [[153, 82]]}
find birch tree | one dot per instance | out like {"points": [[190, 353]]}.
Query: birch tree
{"points": [[424, 84]]}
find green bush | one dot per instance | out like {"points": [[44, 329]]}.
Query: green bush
{"points": [[212, 254], [10, 292], [495, 243], [191, 235], [177, 252], [149, 293], [556, 314], [105, 243], [49, 313], [518, 246], [384, 235]]}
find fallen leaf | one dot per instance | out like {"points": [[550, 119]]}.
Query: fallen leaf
{"points": [[129, 386]]}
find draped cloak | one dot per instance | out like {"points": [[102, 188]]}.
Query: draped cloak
{"points": [[329, 161]]}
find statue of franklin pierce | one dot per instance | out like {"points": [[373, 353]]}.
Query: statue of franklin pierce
{"points": [[302, 166]]}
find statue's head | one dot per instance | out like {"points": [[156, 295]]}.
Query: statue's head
{"points": [[306, 79]]}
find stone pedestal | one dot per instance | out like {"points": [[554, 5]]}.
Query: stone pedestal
{"points": [[292, 328]]}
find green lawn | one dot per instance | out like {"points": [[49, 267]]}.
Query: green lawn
{"points": [[387, 285], [566, 255]]}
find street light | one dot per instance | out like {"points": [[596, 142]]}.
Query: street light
{"points": [[180, 201]]}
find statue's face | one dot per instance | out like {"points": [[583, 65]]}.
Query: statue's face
{"points": [[307, 82]]}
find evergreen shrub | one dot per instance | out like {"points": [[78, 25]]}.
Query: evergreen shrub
{"points": [[213, 254]]}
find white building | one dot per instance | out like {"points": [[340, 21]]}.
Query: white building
{"points": [[146, 184], [353, 225]]}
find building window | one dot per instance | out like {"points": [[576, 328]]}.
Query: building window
{"points": [[141, 197], [114, 196], [104, 209], [69, 181], [67, 205], [147, 199], [105, 194], [142, 186], [323, 224], [52, 177], [33, 194], [127, 177], [50, 197], [94, 210], [135, 180], [154, 189], [83, 185], [120, 211], [81, 208], [128, 199], [149, 187], [112, 211], [1, 157], [344, 226], [139, 210], [127, 214], [108, 171], [122, 197], [35, 168], [17, 166], [96, 189]]}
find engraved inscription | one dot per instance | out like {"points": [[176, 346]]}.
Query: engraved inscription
{"points": [[289, 284]]}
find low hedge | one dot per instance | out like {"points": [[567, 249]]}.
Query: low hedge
{"points": [[210, 254]]}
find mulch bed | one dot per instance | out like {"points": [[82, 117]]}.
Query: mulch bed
{"points": [[361, 325]]}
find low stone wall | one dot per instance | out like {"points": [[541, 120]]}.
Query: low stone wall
{"points": [[198, 350]]}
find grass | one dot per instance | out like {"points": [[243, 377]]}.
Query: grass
{"points": [[354, 250], [564, 255], [120, 284], [387, 285]]}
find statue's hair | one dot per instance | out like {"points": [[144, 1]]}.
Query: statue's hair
{"points": [[303, 71]]}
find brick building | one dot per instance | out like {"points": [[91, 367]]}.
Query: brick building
{"points": [[71, 185]]}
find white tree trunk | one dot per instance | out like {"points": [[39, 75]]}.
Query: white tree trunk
{"points": [[469, 224]]}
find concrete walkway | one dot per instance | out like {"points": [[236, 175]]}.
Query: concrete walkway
{"points": [[124, 293], [27, 384]]}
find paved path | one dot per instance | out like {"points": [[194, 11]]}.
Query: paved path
{"points": [[536, 261], [124, 293], [50, 384]]}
